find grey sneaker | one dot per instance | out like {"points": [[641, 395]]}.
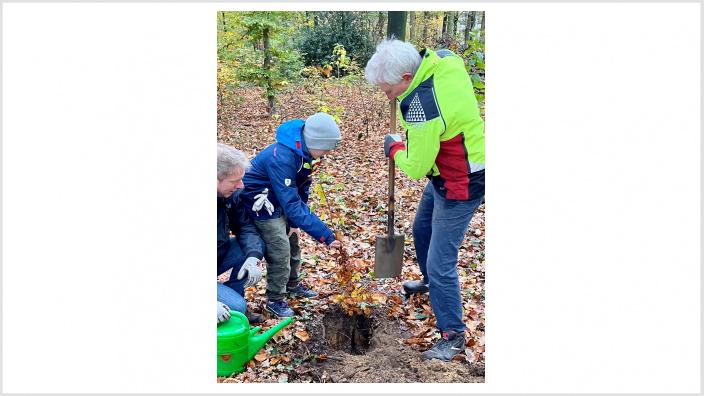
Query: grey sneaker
{"points": [[449, 345], [415, 286]]}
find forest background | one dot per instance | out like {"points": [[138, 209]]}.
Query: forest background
{"points": [[277, 66]]}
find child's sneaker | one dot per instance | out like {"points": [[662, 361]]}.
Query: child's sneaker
{"points": [[279, 308], [301, 291]]}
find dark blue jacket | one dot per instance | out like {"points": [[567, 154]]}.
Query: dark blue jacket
{"points": [[232, 216], [285, 168]]}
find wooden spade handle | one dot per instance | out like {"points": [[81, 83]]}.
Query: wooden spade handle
{"points": [[392, 172]]}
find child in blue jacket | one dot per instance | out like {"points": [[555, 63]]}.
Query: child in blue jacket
{"points": [[276, 196]]}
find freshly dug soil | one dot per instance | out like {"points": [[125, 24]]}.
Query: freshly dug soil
{"points": [[372, 350]]}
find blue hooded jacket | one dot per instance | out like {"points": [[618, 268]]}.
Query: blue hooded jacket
{"points": [[285, 168], [232, 217]]}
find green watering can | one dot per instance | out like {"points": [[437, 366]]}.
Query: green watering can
{"points": [[237, 343]]}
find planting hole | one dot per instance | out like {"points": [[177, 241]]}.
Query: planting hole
{"points": [[351, 334]]}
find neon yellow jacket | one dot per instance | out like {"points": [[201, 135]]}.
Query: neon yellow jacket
{"points": [[445, 133]]}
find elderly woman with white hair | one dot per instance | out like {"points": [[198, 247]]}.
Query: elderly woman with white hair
{"points": [[242, 252], [444, 142]]}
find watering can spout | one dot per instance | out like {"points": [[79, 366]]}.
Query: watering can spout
{"points": [[257, 341]]}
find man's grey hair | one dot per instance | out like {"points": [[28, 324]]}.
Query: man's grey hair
{"points": [[229, 159], [391, 59]]}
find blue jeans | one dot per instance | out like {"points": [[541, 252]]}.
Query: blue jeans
{"points": [[231, 298], [232, 291], [438, 230]]}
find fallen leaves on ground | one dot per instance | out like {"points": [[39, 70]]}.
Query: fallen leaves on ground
{"points": [[353, 186]]}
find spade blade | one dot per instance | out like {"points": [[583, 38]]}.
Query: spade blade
{"points": [[388, 259]]}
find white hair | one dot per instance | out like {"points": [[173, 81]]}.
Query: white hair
{"points": [[391, 59], [229, 159]]}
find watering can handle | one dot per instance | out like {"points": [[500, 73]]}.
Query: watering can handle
{"points": [[239, 314], [243, 317]]}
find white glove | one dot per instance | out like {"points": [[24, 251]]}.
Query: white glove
{"points": [[250, 266], [223, 312], [262, 200], [294, 230]]}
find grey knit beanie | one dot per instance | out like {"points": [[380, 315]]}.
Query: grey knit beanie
{"points": [[320, 132]]}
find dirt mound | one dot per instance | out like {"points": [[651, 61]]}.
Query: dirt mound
{"points": [[372, 349]]}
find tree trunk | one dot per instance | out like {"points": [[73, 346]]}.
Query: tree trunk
{"points": [[480, 20], [455, 23], [267, 66], [426, 18], [224, 27], [396, 29], [380, 25], [443, 34], [467, 29], [449, 33], [412, 25], [468, 25], [397, 25]]}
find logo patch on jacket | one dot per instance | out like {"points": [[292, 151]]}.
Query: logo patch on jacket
{"points": [[415, 111], [420, 105], [287, 182]]}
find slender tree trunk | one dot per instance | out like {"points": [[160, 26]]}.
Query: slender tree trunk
{"points": [[220, 95], [451, 25], [467, 29], [443, 33], [412, 25], [480, 20], [426, 18], [224, 27], [396, 29], [468, 25], [380, 25], [455, 23], [267, 66]]}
